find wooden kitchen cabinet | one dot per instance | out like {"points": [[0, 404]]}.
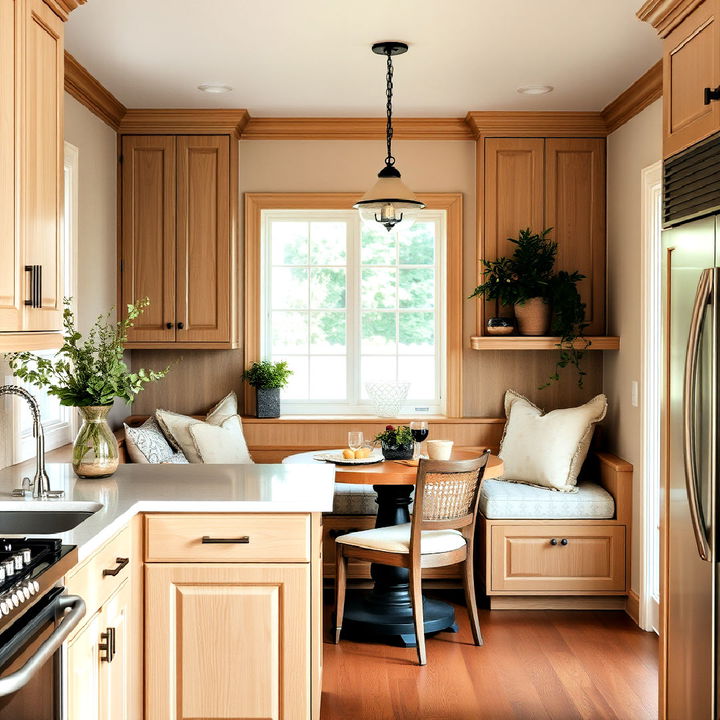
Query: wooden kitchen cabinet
{"points": [[178, 235], [98, 675], [31, 175], [548, 182], [227, 640], [691, 63]]}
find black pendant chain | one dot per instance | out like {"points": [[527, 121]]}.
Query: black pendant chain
{"points": [[389, 160]]}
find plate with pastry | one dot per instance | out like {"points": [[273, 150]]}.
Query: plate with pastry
{"points": [[363, 456]]}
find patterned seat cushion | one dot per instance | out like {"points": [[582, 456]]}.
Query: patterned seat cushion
{"points": [[354, 500], [500, 499]]}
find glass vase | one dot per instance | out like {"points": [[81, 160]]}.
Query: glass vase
{"points": [[397, 451], [95, 451]]}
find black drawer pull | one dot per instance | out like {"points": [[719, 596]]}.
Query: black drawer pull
{"points": [[180, 326], [108, 647], [35, 285], [169, 326], [712, 94], [564, 541], [121, 563], [553, 541], [242, 540]]}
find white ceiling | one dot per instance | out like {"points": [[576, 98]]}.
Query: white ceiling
{"points": [[312, 57]]}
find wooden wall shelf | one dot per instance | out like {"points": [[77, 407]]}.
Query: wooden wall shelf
{"points": [[522, 342]]}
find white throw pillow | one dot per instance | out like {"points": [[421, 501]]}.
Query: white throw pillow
{"points": [[177, 427], [147, 444], [547, 449], [220, 444]]}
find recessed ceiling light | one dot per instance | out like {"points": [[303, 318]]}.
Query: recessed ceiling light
{"points": [[535, 89], [214, 88]]}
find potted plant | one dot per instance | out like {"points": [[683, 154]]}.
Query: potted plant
{"points": [[267, 378], [396, 442], [542, 298], [89, 375]]}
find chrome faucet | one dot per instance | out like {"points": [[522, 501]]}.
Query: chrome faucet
{"points": [[41, 482]]}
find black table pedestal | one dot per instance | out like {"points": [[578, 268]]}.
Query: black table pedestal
{"points": [[386, 610]]}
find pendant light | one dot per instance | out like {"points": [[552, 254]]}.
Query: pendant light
{"points": [[389, 201]]}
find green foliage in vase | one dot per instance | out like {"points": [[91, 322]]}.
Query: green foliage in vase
{"points": [[90, 371], [529, 273], [266, 374]]}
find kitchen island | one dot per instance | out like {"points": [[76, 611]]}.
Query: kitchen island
{"points": [[203, 586]]}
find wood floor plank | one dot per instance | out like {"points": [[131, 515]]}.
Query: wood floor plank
{"points": [[558, 665]]}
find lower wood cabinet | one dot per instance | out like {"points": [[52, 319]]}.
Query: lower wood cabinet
{"points": [[98, 660], [227, 641]]}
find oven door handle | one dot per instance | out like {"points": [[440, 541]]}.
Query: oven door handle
{"points": [[15, 681]]}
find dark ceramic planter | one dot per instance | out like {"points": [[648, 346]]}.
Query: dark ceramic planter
{"points": [[398, 452], [267, 402]]}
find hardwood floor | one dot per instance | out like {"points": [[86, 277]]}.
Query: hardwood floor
{"points": [[556, 665]]}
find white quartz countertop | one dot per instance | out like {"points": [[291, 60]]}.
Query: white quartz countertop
{"points": [[181, 488]]}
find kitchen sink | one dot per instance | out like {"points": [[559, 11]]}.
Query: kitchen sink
{"points": [[42, 517]]}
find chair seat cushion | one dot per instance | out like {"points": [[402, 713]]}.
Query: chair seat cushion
{"points": [[396, 539], [500, 499], [354, 499]]}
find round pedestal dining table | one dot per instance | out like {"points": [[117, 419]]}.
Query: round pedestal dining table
{"points": [[385, 611]]}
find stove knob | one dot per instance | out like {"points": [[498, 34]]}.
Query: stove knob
{"points": [[36, 585], [31, 587], [14, 599], [4, 607], [25, 591]]}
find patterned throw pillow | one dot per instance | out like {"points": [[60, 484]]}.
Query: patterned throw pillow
{"points": [[147, 445]]}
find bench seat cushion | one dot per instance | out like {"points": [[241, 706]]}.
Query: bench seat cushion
{"points": [[504, 500], [354, 500]]}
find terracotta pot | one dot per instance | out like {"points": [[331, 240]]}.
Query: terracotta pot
{"points": [[533, 316]]}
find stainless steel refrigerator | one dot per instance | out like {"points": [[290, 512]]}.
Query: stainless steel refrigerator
{"points": [[690, 290]]}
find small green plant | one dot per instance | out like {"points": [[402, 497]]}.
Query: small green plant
{"points": [[266, 374], [393, 436], [89, 372], [529, 273]]}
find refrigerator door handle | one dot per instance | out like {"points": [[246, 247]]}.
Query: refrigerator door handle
{"points": [[703, 297]]}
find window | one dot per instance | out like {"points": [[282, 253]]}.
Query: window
{"points": [[345, 304]]}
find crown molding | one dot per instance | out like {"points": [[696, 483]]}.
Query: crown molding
{"points": [[666, 15], [95, 97], [645, 90], [536, 124], [264, 128], [178, 122], [63, 8]]}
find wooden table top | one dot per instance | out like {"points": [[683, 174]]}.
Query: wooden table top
{"points": [[390, 472]]}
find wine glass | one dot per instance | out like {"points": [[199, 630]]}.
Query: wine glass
{"points": [[419, 430], [355, 440]]}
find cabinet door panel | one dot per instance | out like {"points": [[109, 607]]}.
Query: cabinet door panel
{"points": [[227, 641], [575, 209], [114, 675], [148, 233], [203, 238], [40, 75], [83, 667], [691, 62], [514, 192]]}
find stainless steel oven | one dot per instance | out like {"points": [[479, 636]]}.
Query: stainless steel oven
{"points": [[36, 617]]}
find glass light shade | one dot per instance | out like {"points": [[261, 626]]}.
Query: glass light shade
{"points": [[389, 202]]}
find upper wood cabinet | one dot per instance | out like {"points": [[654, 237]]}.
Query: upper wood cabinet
{"points": [[691, 64], [31, 174], [548, 182], [178, 230]]}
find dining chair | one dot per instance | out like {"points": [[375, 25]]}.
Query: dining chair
{"points": [[441, 532]]}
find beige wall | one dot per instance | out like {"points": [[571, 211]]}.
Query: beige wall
{"points": [[347, 166], [97, 211], [634, 146]]}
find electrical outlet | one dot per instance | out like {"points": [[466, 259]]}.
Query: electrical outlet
{"points": [[635, 394]]}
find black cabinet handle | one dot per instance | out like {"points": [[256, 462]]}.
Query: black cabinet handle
{"points": [[121, 563], [553, 541], [169, 326], [108, 647], [35, 285], [564, 541], [243, 540], [180, 326], [712, 94]]}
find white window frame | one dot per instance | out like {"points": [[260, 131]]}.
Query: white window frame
{"points": [[355, 404], [651, 333], [61, 430]]}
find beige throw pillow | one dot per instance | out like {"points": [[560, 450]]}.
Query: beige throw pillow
{"points": [[220, 444], [177, 428], [547, 449]]}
